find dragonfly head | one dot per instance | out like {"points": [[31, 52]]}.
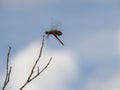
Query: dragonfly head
{"points": [[46, 32]]}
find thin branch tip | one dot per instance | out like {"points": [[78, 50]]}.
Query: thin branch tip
{"points": [[8, 70], [9, 47], [31, 77]]}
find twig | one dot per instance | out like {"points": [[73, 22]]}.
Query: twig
{"points": [[41, 70], [30, 78], [8, 70]]}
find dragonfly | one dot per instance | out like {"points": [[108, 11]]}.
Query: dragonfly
{"points": [[55, 33]]}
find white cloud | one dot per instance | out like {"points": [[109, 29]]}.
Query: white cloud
{"points": [[107, 76], [61, 69], [96, 84]]}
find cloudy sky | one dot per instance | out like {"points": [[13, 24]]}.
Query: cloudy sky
{"points": [[90, 58]]}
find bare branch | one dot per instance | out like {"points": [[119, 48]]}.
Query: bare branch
{"points": [[8, 71], [36, 60], [41, 70], [30, 78]]}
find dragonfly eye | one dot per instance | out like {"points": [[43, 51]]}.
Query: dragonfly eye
{"points": [[46, 32]]}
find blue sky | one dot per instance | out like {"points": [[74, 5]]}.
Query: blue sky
{"points": [[91, 33]]}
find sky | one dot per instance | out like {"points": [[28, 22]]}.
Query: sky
{"points": [[90, 57]]}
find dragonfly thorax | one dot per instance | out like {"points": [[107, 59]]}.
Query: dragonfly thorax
{"points": [[56, 32]]}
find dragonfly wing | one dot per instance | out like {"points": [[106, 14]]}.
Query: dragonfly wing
{"points": [[58, 39]]}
